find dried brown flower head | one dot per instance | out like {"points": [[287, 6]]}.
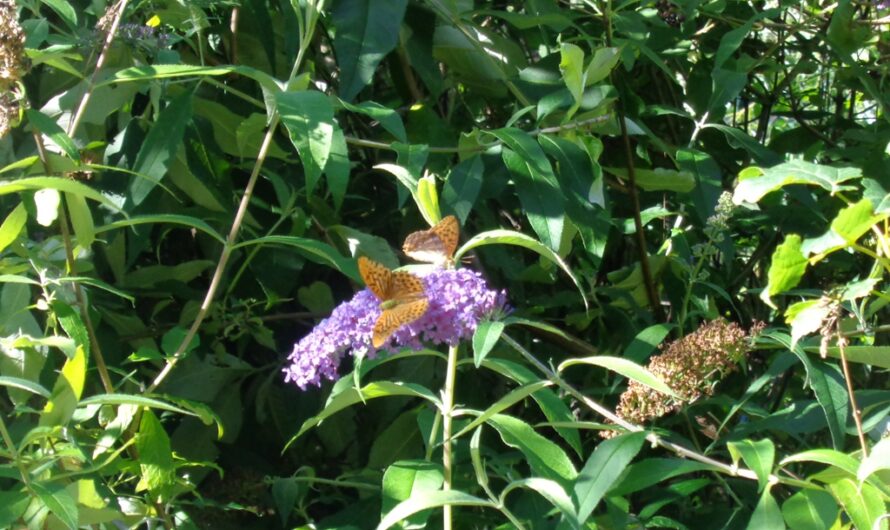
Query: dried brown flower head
{"points": [[13, 65], [691, 366], [12, 45]]}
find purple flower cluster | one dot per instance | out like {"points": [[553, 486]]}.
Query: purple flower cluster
{"points": [[458, 301]]}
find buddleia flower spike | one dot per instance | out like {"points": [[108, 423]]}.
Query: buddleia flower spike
{"points": [[397, 310]]}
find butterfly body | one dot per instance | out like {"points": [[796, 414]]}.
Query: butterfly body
{"points": [[401, 294], [436, 245]]}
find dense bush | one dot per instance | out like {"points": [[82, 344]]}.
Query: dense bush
{"points": [[645, 248]]}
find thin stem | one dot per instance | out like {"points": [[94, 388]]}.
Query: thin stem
{"points": [[431, 443], [857, 415], [653, 438], [231, 239], [14, 454], [684, 307], [360, 142], [337, 483], [95, 348], [109, 38], [645, 267], [253, 252], [447, 418]]}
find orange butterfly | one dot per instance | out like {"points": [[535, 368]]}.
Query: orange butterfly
{"points": [[436, 245], [401, 295]]}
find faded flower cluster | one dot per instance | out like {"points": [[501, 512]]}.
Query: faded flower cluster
{"points": [[13, 65], [716, 227], [458, 301], [691, 366]]}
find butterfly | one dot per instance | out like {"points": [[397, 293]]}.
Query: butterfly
{"points": [[401, 295], [436, 245]]}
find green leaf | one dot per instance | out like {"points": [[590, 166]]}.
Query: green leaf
{"points": [[173, 338], [130, 399], [406, 479], [12, 226], [878, 459], [59, 501], [646, 342], [551, 491], [509, 237], [366, 31], [624, 367], [64, 10], [24, 384], [46, 125], [731, 40], [827, 384], [428, 200], [855, 220], [810, 510], [601, 65], [388, 118], [829, 457], [81, 219], [658, 179], [160, 146], [316, 297], [72, 324], [873, 355], [862, 502], [337, 169], [484, 339], [150, 276], [571, 65], [462, 187], [482, 59], [502, 404], [155, 456], [66, 391], [191, 222], [767, 515], [646, 473], [402, 175], [554, 409], [758, 455], [99, 284], [829, 178], [536, 184], [309, 118], [58, 184], [430, 499], [603, 468], [169, 71], [314, 250], [12, 506], [546, 458], [728, 84], [351, 396], [746, 142], [787, 267]]}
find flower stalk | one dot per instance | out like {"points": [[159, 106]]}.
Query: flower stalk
{"points": [[447, 419]]}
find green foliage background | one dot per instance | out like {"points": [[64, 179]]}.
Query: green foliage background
{"points": [[184, 186]]}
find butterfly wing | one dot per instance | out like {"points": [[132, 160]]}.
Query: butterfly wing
{"points": [[405, 287], [448, 230], [377, 277], [436, 245], [392, 319]]}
